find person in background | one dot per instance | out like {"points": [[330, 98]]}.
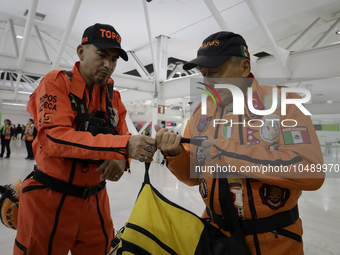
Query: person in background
{"points": [[22, 131], [6, 134], [19, 131], [14, 132], [30, 133]]}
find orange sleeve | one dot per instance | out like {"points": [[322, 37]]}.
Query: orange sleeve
{"points": [[180, 164], [122, 126], [293, 156], [51, 109]]}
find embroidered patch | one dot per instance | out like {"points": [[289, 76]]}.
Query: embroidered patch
{"points": [[113, 116], [203, 189], [273, 147], [273, 196], [251, 139], [295, 135], [46, 119], [253, 116], [228, 110], [269, 132], [199, 151], [268, 101], [228, 130], [236, 189], [202, 124], [257, 104]]}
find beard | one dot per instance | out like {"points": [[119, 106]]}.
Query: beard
{"points": [[101, 78]]}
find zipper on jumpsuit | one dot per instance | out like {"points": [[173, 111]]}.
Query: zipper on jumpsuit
{"points": [[214, 174], [249, 192]]}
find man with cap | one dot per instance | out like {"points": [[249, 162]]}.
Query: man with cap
{"points": [[265, 201], [82, 141]]}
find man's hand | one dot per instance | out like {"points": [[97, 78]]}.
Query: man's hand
{"points": [[113, 169], [168, 142], [207, 146], [137, 147]]}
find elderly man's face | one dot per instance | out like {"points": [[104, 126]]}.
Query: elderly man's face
{"points": [[96, 65], [227, 73]]}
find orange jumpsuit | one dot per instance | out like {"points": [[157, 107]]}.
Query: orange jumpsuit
{"points": [[50, 222], [256, 195]]}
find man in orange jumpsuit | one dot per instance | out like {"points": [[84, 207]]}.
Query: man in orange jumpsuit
{"points": [[82, 140], [267, 199]]}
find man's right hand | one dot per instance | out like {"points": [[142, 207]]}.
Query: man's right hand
{"points": [[168, 142], [136, 147]]}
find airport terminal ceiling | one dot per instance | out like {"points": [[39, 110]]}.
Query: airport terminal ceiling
{"points": [[297, 41]]}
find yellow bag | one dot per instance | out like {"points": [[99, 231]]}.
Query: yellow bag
{"points": [[159, 226]]}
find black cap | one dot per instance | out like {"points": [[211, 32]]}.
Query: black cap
{"points": [[103, 36], [218, 48]]}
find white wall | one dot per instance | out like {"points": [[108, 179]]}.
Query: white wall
{"points": [[18, 115], [328, 136]]}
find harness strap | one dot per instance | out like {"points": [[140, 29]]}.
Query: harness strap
{"points": [[7, 193], [66, 188], [271, 223]]}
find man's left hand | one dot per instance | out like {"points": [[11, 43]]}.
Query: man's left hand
{"points": [[113, 169], [207, 146]]}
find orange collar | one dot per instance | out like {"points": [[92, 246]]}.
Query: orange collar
{"points": [[78, 85]]}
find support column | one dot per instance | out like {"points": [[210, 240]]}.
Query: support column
{"points": [[138, 65], [146, 14], [144, 127], [72, 18], [184, 110], [130, 125], [41, 42], [4, 38], [16, 89], [330, 31], [27, 34], [13, 37], [162, 57], [162, 67], [303, 34], [216, 14], [280, 54], [155, 102]]}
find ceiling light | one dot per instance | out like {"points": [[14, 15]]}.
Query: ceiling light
{"points": [[15, 104], [338, 32], [19, 37], [38, 15], [329, 101]]}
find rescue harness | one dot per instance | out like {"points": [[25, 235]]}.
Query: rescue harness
{"points": [[66, 188]]}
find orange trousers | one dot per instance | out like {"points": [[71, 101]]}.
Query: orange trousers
{"points": [[53, 223]]}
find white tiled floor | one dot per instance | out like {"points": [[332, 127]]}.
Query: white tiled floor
{"points": [[319, 210]]}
